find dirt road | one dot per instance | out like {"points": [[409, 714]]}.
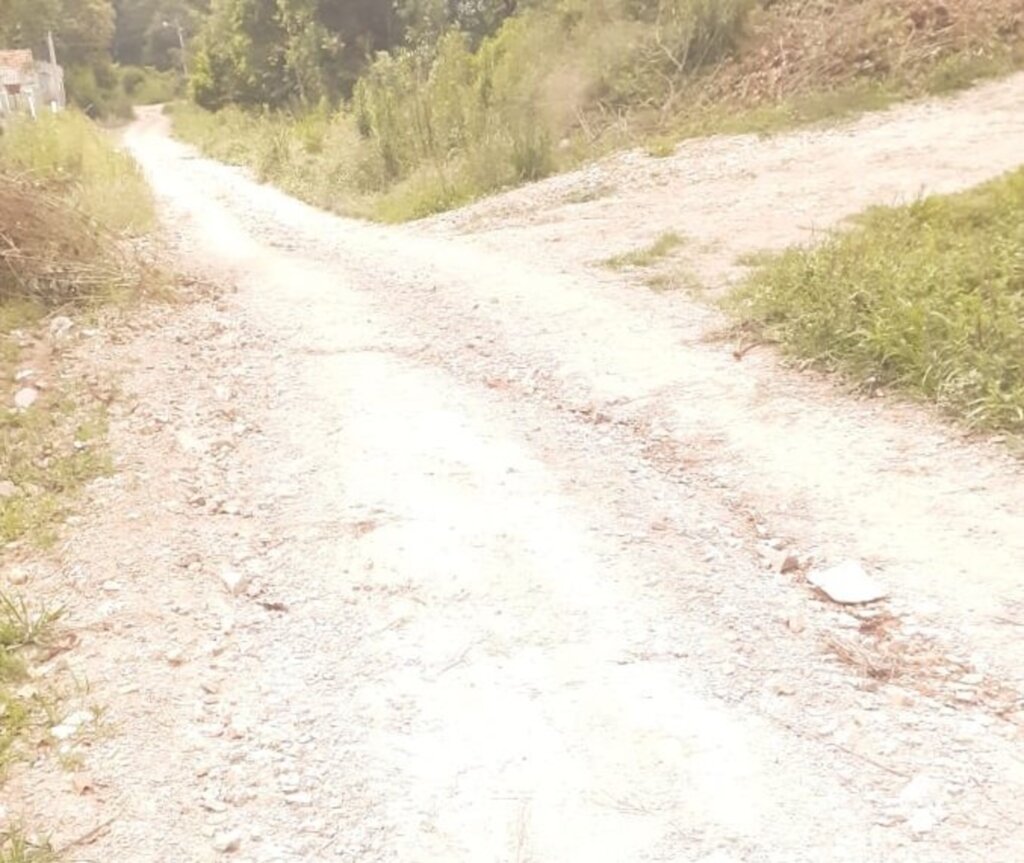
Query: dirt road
{"points": [[442, 544]]}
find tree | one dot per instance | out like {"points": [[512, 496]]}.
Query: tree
{"points": [[273, 51], [146, 32], [23, 23], [241, 56], [85, 32]]}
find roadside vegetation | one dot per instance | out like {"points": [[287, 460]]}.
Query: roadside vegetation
{"points": [[927, 299], [71, 208], [458, 106]]}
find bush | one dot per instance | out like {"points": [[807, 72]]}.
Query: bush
{"points": [[84, 89]]}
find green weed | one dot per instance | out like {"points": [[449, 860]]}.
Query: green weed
{"points": [[645, 257], [20, 627], [677, 279], [927, 298], [15, 847]]}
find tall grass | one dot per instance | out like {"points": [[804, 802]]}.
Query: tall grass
{"points": [[927, 298], [68, 155], [430, 128]]}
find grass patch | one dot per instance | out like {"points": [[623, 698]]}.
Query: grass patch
{"points": [[15, 847], [831, 104], [48, 453], [678, 279], [756, 258], [926, 298], [661, 248], [21, 628], [71, 205]]}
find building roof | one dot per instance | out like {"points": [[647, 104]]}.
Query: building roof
{"points": [[16, 66]]}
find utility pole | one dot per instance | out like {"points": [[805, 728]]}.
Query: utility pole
{"points": [[181, 44], [58, 74]]}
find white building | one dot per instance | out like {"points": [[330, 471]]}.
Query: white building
{"points": [[27, 85]]}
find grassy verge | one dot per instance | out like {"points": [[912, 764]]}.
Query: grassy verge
{"points": [[67, 164], [71, 208], [927, 299]]}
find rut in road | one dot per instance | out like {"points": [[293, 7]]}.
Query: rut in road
{"points": [[453, 546]]}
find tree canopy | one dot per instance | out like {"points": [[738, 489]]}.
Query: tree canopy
{"points": [[269, 52], [147, 30], [82, 29]]}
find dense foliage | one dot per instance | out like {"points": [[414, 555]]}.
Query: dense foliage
{"points": [[147, 30], [271, 52]]}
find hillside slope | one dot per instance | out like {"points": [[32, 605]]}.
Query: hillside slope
{"points": [[434, 126]]}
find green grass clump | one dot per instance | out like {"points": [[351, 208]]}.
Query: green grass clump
{"points": [[15, 847], [927, 298], [21, 627], [69, 155], [661, 248], [49, 452]]}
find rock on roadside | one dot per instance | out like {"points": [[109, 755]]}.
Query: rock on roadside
{"points": [[847, 583]]}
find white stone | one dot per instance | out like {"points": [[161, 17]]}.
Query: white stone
{"points": [[227, 842], [847, 583], [236, 582], [60, 326], [25, 397]]}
